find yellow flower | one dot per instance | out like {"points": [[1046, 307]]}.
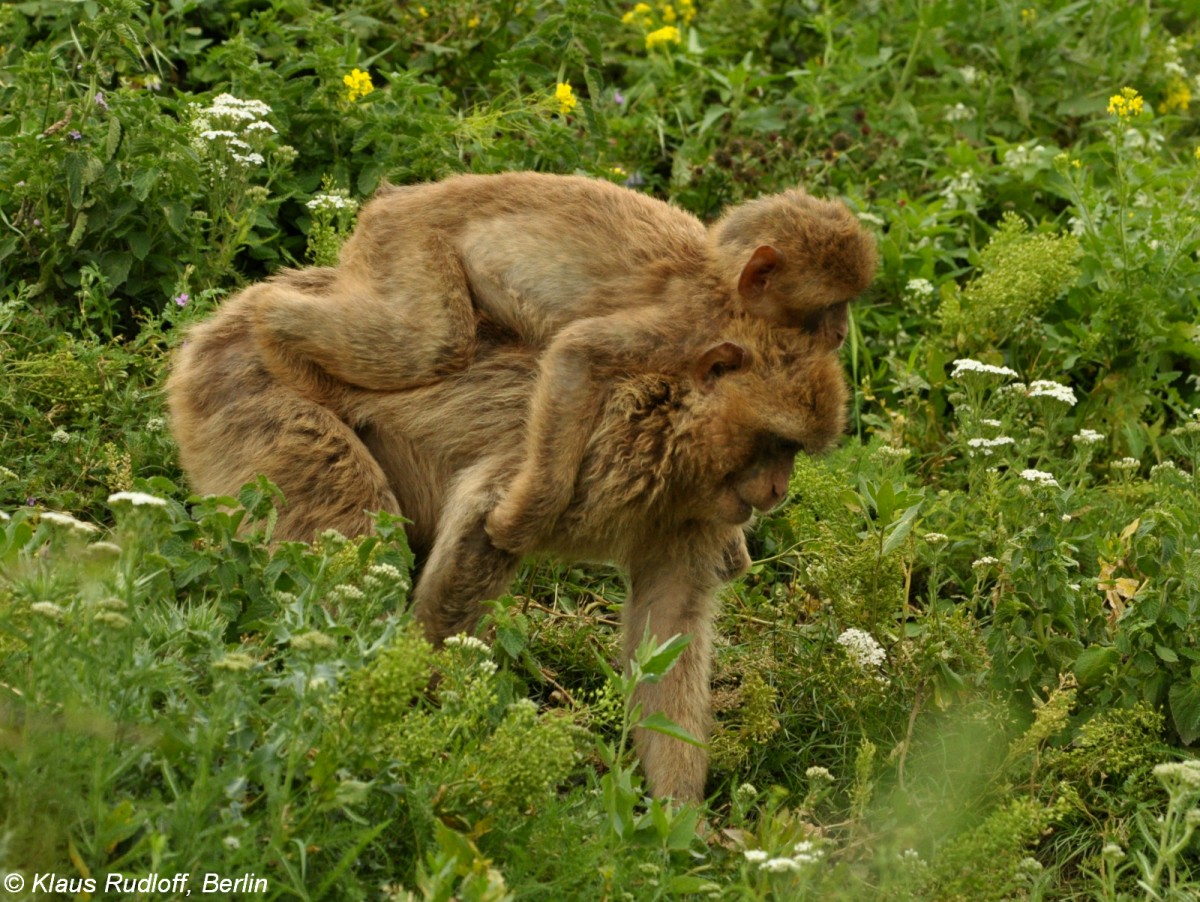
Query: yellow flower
{"points": [[1126, 105], [668, 34], [422, 12], [358, 84], [687, 11], [639, 15], [1028, 16], [473, 22], [1198, 151], [1179, 95], [668, 13], [565, 97], [621, 173]]}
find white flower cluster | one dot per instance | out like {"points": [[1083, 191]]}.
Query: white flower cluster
{"points": [[986, 561], [345, 593], [235, 124], [960, 112], [1021, 156], [804, 852], [68, 521], [985, 446], [1088, 437], [137, 499], [967, 365], [862, 648], [961, 188], [462, 640], [1185, 774], [1046, 388], [1125, 463], [60, 436], [332, 202], [1039, 477], [922, 289]]}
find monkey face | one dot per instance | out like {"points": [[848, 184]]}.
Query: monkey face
{"points": [[765, 399]]}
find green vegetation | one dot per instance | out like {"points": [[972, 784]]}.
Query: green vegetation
{"points": [[966, 664]]}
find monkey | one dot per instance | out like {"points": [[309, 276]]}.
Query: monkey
{"points": [[597, 274], [532, 253], [684, 448]]}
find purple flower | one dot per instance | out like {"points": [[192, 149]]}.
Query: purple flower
{"points": [[101, 102], [618, 98], [181, 299], [75, 135], [30, 501]]}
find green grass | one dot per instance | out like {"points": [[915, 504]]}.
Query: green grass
{"points": [[1021, 562]]}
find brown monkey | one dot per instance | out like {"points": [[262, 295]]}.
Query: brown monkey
{"points": [[532, 253], [683, 448], [601, 275]]}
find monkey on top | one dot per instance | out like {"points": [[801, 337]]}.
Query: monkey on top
{"points": [[529, 363]]}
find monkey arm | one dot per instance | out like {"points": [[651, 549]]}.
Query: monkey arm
{"points": [[567, 402]]}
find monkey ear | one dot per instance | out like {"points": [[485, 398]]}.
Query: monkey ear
{"points": [[726, 357], [757, 271]]}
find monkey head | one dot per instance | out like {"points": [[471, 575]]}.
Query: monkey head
{"points": [[796, 261], [719, 441]]}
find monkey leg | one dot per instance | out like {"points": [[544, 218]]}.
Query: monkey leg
{"points": [[665, 600], [464, 568], [384, 333]]}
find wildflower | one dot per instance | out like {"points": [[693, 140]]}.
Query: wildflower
{"points": [[922, 289], [969, 74], [422, 12], [181, 299], [960, 112], [1039, 477], [668, 34], [311, 640], [155, 424], [936, 538], [346, 593], [756, 856], [985, 446], [668, 13], [1112, 852], [986, 561], [47, 609], [746, 793], [1125, 463], [565, 97], [1125, 105], [619, 100], [779, 865], [104, 549], [334, 201], [963, 187], [1088, 437], [4, 518], [819, 773], [462, 640], [687, 11], [1046, 388], [887, 452], [871, 219], [1179, 95], [61, 436], [862, 648], [358, 84], [75, 135], [137, 499], [386, 571], [59, 519], [473, 22], [232, 843], [641, 14], [966, 365], [234, 662], [1185, 774], [100, 101], [113, 619], [1028, 15]]}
